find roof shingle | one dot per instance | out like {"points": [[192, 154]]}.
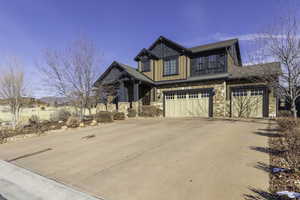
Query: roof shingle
{"points": [[211, 46]]}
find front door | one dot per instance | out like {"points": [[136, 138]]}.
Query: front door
{"points": [[145, 94]]}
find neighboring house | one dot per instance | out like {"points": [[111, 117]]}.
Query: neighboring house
{"points": [[207, 81]]}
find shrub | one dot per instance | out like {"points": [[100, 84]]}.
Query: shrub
{"points": [[33, 120], [104, 117], [286, 122], [131, 112], [43, 108], [285, 113], [151, 111], [73, 122], [292, 155], [119, 116], [60, 115]]}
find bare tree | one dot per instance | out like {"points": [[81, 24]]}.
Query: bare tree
{"points": [[72, 72], [107, 93], [12, 88], [281, 43]]}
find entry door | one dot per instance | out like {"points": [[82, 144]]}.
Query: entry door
{"points": [[187, 104]]}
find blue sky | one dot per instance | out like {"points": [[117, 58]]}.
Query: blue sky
{"points": [[121, 28]]}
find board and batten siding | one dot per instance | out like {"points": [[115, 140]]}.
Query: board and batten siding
{"points": [[149, 74], [182, 70]]}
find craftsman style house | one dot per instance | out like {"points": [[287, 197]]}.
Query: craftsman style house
{"points": [[207, 80]]}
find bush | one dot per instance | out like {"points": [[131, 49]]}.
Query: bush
{"points": [[285, 113], [287, 123], [43, 108], [33, 120], [104, 117], [119, 116], [151, 111], [73, 122], [131, 112], [292, 155], [60, 115]]}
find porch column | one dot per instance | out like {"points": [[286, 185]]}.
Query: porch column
{"points": [[136, 91]]}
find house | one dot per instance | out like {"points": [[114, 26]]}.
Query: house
{"points": [[206, 81]]}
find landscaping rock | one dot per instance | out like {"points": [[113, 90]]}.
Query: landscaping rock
{"points": [[73, 122], [81, 124], [104, 117], [64, 127], [151, 111], [94, 123], [119, 116], [131, 112]]}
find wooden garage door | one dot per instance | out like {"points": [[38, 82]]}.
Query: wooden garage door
{"points": [[187, 104], [247, 103]]}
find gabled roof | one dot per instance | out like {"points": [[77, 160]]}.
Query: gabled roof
{"points": [[215, 45], [257, 70], [170, 42], [145, 52], [136, 74], [127, 69]]}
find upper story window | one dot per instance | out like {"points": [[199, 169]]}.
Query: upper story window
{"points": [[171, 66], [211, 64], [145, 65]]}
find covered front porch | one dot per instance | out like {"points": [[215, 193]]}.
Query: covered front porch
{"points": [[122, 87]]}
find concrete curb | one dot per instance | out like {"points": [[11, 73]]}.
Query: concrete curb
{"points": [[20, 184]]}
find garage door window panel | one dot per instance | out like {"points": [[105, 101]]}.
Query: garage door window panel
{"points": [[193, 95], [170, 96], [181, 95], [257, 92], [204, 94]]}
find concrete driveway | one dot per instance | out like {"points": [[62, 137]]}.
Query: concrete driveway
{"points": [[150, 159]]}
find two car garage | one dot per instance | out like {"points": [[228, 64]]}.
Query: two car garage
{"points": [[243, 102]]}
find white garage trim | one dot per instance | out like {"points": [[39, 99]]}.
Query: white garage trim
{"points": [[256, 97], [188, 103]]}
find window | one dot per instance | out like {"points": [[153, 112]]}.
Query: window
{"points": [[170, 96], [181, 95], [208, 64], [145, 65], [170, 66], [256, 92], [239, 93]]}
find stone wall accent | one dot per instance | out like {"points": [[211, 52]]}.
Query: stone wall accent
{"points": [[123, 107], [272, 97], [272, 105], [221, 100], [218, 98]]}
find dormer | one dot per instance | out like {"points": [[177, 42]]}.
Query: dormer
{"points": [[163, 60], [166, 60]]}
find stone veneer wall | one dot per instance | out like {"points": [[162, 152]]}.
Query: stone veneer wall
{"points": [[123, 107], [218, 98], [221, 100]]}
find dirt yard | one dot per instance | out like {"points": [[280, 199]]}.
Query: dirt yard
{"points": [[151, 159]]}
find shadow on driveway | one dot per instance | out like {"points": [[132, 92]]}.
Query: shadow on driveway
{"points": [[268, 150], [2, 198], [257, 194]]}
